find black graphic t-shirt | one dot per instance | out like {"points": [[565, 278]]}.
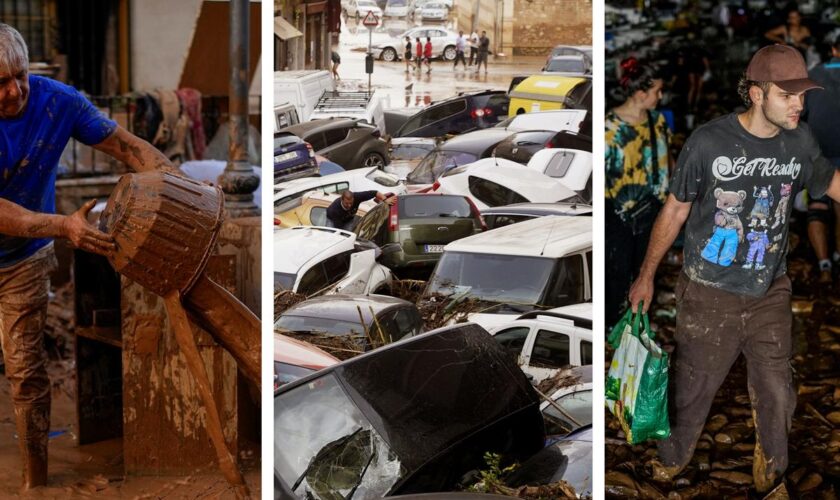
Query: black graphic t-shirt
{"points": [[742, 189]]}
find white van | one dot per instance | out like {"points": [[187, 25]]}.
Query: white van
{"points": [[301, 88]]}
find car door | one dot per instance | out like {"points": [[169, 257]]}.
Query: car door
{"points": [[513, 341], [324, 274], [371, 224], [548, 349], [439, 41], [336, 145]]}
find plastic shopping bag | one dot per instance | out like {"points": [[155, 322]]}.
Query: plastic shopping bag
{"points": [[637, 383]]}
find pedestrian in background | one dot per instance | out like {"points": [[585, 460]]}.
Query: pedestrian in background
{"points": [[407, 54], [460, 46], [419, 53], [336, 61], [473, 47], [427, 54], [483, 52], [636, 157]]}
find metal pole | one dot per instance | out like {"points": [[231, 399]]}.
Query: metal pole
{"points": [[370, 51], [239, 180]]}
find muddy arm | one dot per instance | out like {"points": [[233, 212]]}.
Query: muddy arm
{"points": [[138, 154], [21, 222]]}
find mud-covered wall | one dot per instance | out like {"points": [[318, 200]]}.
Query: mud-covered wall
{"points": [[539, 25]]}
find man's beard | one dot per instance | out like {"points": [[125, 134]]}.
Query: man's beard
{"points": [[775, 120]]}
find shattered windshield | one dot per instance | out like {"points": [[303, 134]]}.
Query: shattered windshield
{"points": [[436, 163], [496, 278], [325, 448]]}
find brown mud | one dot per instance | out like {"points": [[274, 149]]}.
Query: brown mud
{"points": [[723, 462]]}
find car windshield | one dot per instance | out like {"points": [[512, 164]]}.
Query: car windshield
{"points": [[576, 413], [495, 278], [325, 448], [321, 325], [284, 140], [411, 151], [367, 3], [285, 373], [396, 3], [566, 66], [436, 163], [284, 281], [434, 6], [383, 178], [435, 206]]}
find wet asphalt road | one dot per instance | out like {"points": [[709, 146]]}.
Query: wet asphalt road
{"points": [[420, 88]]}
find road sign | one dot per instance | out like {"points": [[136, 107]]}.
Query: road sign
{"points": [[370, 19]]}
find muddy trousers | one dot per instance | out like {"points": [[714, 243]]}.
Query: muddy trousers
{"points": [[713, 328], [23, 310]]}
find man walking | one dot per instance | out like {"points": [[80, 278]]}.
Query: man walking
{"points": [[38, 116], [483, 52], [460, 46], [473, 47], [419, 53], [733, 295], [341, 214], [427, 54], [822, 113]]}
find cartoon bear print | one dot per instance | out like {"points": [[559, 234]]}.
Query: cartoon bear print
{"points": [[729, 230], [781, 209], [763, 201], [759, 243]]}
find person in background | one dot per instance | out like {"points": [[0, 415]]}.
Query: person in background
{"points": [[407, 54], [822, 113], [473, 47], [419, 53], [460, 46], [792, 33], [341, 214], [427, 54], [336, 61], [637, 159], [483, 52]]}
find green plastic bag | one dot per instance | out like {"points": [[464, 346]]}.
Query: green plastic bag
{"points": [[637, 383]]}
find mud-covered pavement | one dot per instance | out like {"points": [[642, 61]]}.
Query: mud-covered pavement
{"points": [[722, 464], [96, 470]]}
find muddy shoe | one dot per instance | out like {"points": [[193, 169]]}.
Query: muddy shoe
{"points": [[663, 473], [825, 277], [780, 492]]}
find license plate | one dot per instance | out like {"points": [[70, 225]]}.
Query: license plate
{"points": [[433, 248], [285, 156]]}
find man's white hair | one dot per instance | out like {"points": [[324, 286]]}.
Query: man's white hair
{"points": [[14, 56]]}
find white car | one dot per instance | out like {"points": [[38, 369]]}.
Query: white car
{"points": [[556, 120], [317, 260], [567, 66], [443, 44], [547, 261], [545, 341], [572, 167], [360, 8], [494, 182], [361, 179], [399, 8], [434, 11]]}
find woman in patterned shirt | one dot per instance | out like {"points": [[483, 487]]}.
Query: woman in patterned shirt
{"points": [[636, 177]]}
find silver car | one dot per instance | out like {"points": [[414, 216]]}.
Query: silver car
{"points": [[443, 44], [434, 11]]}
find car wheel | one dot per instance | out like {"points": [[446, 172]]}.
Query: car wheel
{"points": [[449, 53], [374, 160], [389, 55]]}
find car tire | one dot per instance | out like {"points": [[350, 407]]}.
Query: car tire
{"points": [[389, 55], [449, 53], [373, 159]]}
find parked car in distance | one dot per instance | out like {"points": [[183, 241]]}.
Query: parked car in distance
{"points": [[315, 260], [547, 263], [521, 146], [360, 8], [419, 226], [465, 112], [312, 210], [415, 416], [393, 48], [546, 92], [287, 193], [495, 217], [350, 143], [434, 11], [584, 51], [294, 359], [399, 8], [495, 182], [285, 114], [293, 158], [338, 315], [543, 342], [455, 152], [556, 120], [406, 153], [302, 89], [572, 167], [567, 66]]}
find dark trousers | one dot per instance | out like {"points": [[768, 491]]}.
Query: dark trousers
{"points": [[473, 52], [713, 328], [626, 247], [459, 56]]}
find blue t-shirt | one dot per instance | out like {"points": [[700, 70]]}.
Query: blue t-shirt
{"points": [[30, 147]]}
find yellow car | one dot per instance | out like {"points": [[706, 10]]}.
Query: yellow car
{"points": [[548, 92], [312, 210]]}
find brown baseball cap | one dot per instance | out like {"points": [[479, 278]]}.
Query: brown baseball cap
{"points": [[782, 65]]}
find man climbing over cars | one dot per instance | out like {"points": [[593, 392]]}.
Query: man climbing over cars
{"points": [[38, 117], [341, 213], [733, 295]]}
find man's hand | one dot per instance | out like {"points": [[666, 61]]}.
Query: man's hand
{"points": [[389, 198], [85, 236], [641, 291]]}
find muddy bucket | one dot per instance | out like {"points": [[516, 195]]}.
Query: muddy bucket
{"points": [[164, 227]]}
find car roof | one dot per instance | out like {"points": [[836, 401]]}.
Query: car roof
{"points": [[582, 311], [345, 307], [476, 140], [570, 57], [515, 176], [551, 236], [539, 209], [313, 183], [299, 353], [317, 125], [294, 247]]}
